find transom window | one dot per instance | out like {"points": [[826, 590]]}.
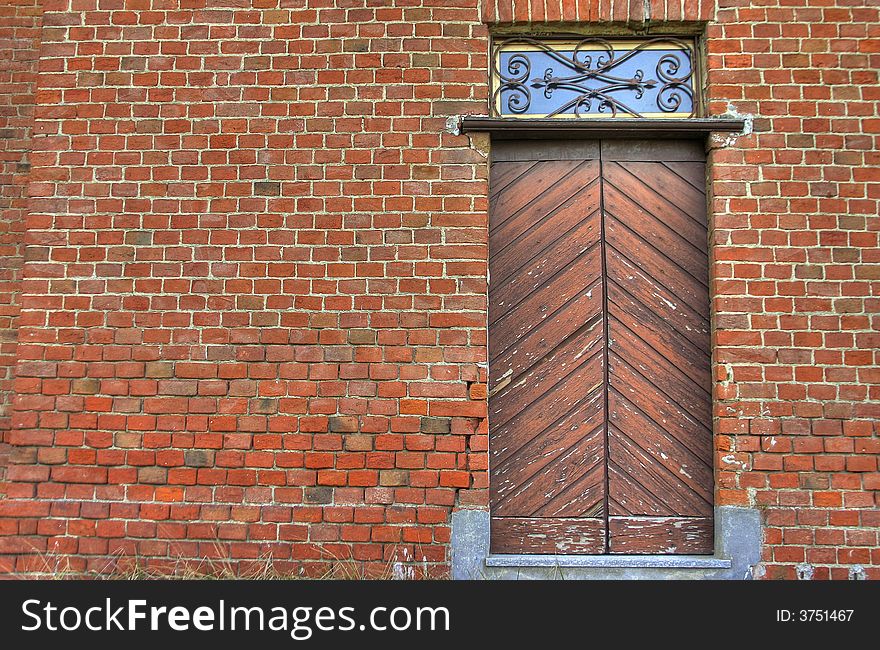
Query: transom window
{"points": [[593, 77]]}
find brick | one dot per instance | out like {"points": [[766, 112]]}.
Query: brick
{"points": [[152, 475], [159, 370], [267, 188], [393, 478], [362, 337], [321, 495], [358, 442], [343, 423], [435, 425], [198, 458]]}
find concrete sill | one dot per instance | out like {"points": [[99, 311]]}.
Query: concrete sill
{"points": [[610, 561]]}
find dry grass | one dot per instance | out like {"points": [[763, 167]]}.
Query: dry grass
{"points": [[57, 566]]}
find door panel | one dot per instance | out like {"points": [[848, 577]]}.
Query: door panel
{"points": [[547, 365], [599, 407], [659, 429]]}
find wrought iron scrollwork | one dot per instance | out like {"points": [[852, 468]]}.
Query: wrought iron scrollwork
{"points": [[593, 61]]}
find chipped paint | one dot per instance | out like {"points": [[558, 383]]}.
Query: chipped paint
{"points": [[857, 572], [721, 140], [804, 571]]}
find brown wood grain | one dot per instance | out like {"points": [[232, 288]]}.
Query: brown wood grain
{"points": [[695, 469], [654, 217], [514, 469], [507, 174], [669, 186], [570, 483], [666, 535], [659, 379], [655, 404], [692, 172], [551, 245], [599, 347], [547, 536], [619, 246], [540, 378], [631, 466], [570, 290], [576, 218], [574, 193], [626, 277], [582, 315], [636, 321], [525, 188], [638, 226], [653, 150], [512, 430], [545, 150]]}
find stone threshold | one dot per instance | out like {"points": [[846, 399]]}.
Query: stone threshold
{"points": [[610, 561]]}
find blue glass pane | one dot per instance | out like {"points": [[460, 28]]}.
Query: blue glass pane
{"points": [[635, 82]]}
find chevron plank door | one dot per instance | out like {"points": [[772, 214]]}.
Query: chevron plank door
{"points": [[547, 366], [660, 481], [600, 423]]}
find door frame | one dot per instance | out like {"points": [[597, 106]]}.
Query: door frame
{"points": [[738, 531]]}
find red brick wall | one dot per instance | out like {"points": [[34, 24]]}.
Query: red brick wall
{"points": [[572, 12], [797, 279], [254, 313], [255, 298], [19, 45]]}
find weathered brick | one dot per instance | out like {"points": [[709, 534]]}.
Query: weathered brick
{"points": [[152, 475], [393, 477], [435, 425], [322, 495], [198, 458], [362, 337], [343, 423]]}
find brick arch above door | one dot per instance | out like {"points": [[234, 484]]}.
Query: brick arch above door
{"points": [[596, 11]]}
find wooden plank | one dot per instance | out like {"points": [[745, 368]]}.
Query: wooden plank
{"points": [[653, 232], [545, 150], [692, 360], [664, 450], [668, 535], [571, 221], [658, 407], [529, 384], [688, 218], [654, 150], [625, 277], [582, 320], [684, 386], [572, 441], [635, 251], [509, 292], [693, 172], [575, 195], [570, 484], [553, 405], [524, 189], [666, 493], [513, 464], [584, 492], [552, 300], [582, 536], [628, 496], [506, 173], [518, 128]]}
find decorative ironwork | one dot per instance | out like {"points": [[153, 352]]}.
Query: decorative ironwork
{"points": [[597, 76]]}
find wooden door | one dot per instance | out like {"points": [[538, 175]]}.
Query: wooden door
{"points": [[546, 340], [599, 407]]}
